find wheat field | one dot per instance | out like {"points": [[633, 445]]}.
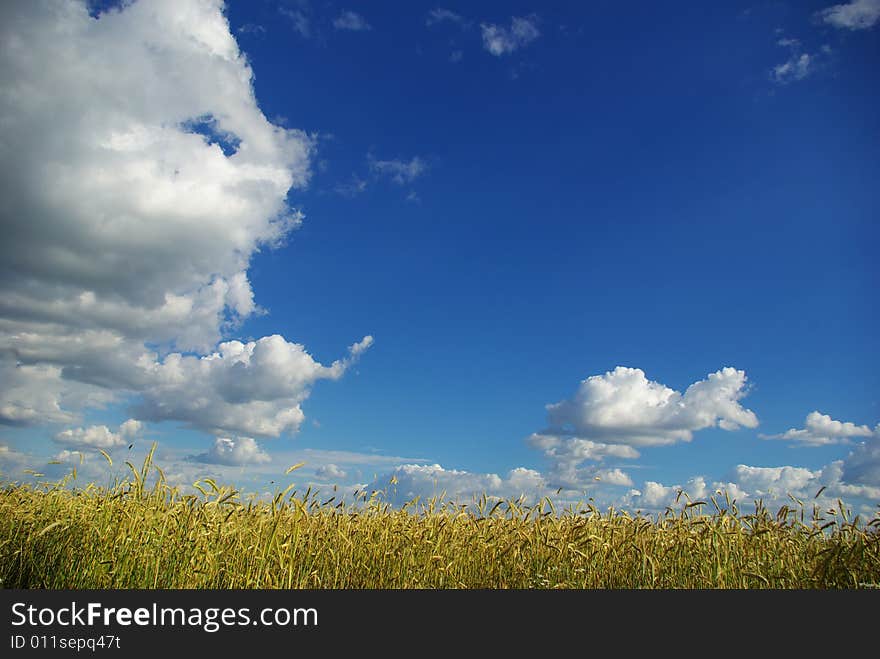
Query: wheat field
{"points": [[131, 535]]}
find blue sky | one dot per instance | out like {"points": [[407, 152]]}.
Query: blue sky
{"points": [[493, 206]]}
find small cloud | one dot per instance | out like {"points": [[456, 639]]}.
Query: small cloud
{"points": [[331, 472], [614, 477], [100, 437], [352, 188], [499, 40], [399, 171], [351, 21], [233, 453], [300, 20], [611, 416], [251, 28], [855, 15], [456, 56], [440, 15], [408, 481], [821, 430], [71, 457], [413, 197]]}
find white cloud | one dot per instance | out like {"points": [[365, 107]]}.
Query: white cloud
{"points": [[611, 415], [796, 67], [351, 188], [855, 480], [613, 477], [142, 177], [331, 472], [500, 40], [399, 171], [428, 481], [253, 388], [855, 15], [624, 407], [566, 454], [99, 436], [301, 22], [440, 15], [774, 481], [234, 452], [820, 430], [349, 20]]}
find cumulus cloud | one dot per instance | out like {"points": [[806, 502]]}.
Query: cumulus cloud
{"points": [[611, 415], [613, 477], [254, 388], [799, 64], [820, 430], [99, 436], [566, 454], [855, 15], [409, 481], [399, 171], [796, 67], [656, 496], [331, 472], [140, 178], [31, 394], [854, 480], [233, 452], [351, 21], [767, 481], [500, 40], [624, 407]]}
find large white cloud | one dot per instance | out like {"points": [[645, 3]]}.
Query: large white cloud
{"points": [[252, 388], [140, 177], [624, 407], [566, 454], [854, 480], [820, 429], [332, 472], [610, 415], [351, 21], [500, 40], [234, 452], [399, 171]]}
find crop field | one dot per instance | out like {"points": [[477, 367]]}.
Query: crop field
{"points": [[135, 536]]}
